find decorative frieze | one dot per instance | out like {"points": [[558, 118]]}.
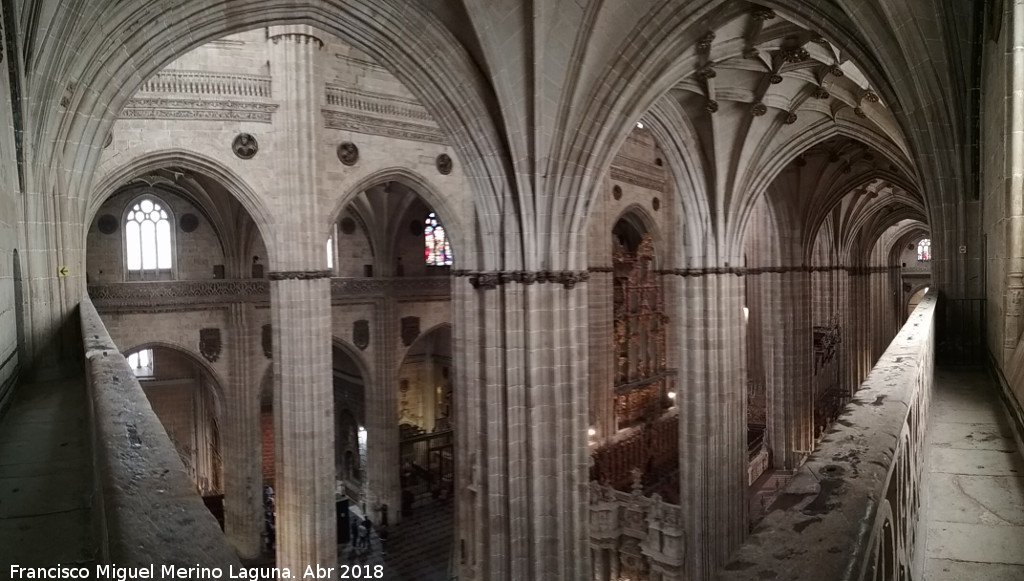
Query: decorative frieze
{"points": [[198, 109], [638, 173], [741, 271], [298, 274], [370, 125]]}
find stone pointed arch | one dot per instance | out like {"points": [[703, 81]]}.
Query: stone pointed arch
{"points": [[232, 182], [459, 228], [402, 36]]}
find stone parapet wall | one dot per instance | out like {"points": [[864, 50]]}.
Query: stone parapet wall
{"points": [[150, 510], [852, 510]]}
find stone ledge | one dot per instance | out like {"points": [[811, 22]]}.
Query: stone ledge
{"points": [[831, 520], [150, 510]]}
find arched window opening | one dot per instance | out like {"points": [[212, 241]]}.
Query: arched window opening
{"points": [[147, 234], [438, 250], [330, 253], [924, 250], [141, 363]]}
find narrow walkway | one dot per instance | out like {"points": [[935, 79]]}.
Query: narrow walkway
{"points": [[974, 483], [46, 477]]}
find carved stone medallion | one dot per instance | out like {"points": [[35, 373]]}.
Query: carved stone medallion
{"points": [[189, 223], [245, 146], [361, 333], [656, 204], [348, 153], [107, 224], [209, 344], [444, 164], [617, 192], [410, 330], [267, 341]]}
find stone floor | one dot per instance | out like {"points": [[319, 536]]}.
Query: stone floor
{"points": [[974, 484], [46, 477], [418, 549]]}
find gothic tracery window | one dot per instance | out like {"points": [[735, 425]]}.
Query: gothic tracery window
{"points": [[437, 250], [924, 250], [147, 236]]}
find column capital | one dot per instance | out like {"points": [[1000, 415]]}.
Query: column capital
{"points": [[297, 33]]}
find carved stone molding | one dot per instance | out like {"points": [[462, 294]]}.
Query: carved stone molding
{"points": [[371, 125], [198, 109], [298, 274], [740, 271], [210, 344], [492, 279], [638, 173]]}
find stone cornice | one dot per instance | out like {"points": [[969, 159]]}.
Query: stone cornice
{"points": [[494, 278], [277, 275], [742, 271]]}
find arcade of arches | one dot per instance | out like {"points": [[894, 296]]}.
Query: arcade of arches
{"points": [[519, 263]]}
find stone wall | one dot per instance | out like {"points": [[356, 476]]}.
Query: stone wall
{"points": [[851, 512], [10, 213], [1001, 191]]}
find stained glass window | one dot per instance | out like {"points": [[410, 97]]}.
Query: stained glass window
{"points": [[924, 250], [147, 234], [437, 251]]}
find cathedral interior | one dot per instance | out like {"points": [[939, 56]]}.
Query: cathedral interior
{"points": [[637, 290]]}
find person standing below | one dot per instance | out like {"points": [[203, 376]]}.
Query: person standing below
{"points": [[368, 526]]}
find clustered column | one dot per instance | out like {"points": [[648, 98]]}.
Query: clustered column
{"points": [[789, 344], [243, 506], [522, 417], [382, 471], [712, 419], [300, 310]]}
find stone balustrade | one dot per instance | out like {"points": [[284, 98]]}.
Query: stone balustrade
{"points": [[148, 509], [852, 512]]}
